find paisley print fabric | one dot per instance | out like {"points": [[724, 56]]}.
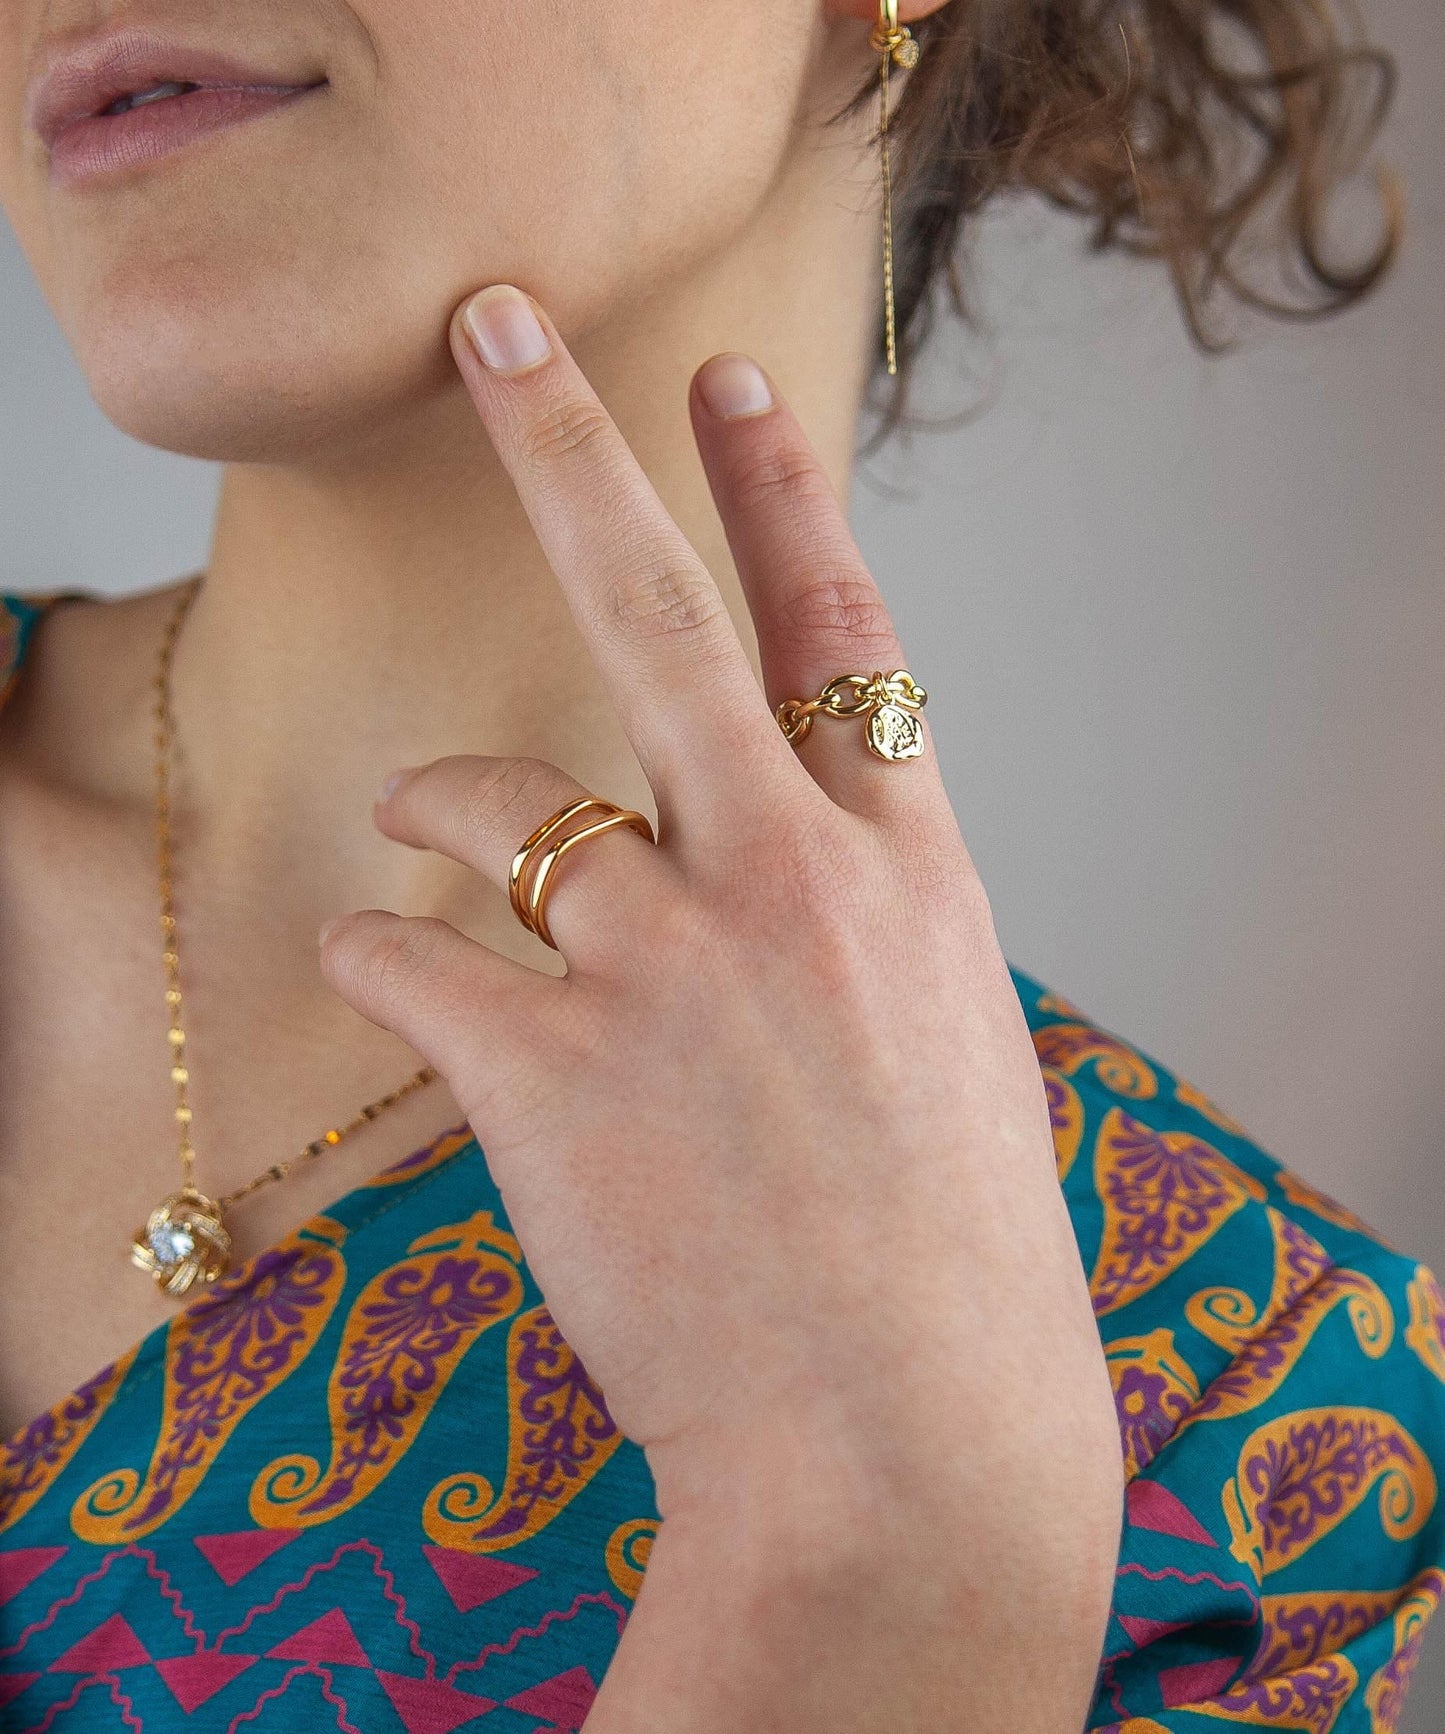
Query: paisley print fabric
{"points": [[364, 1484]]}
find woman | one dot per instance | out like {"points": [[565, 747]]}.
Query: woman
{"points": [[768, 1240]]}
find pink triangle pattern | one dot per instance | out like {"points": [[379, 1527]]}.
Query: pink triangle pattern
{"points": [[429, 1707], [1143, 1631], [327, 1641], [1196, 1681], [194, 1680], [12, 1685], [111, 1646], [473, 1578], [236, 1555], [1151, 1506], [564, 1700], [20, 1567]]}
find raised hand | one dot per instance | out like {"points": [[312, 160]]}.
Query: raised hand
{"points": [[776, 1145]]}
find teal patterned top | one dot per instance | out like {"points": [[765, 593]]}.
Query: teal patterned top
{"points": [[362, 1482]]}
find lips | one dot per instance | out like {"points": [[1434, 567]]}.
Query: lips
{"points": [[83, 81]]}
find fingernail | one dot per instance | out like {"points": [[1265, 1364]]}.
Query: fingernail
{"points": [[506, 332], [388, 788], [328, 928], [734, 385]]}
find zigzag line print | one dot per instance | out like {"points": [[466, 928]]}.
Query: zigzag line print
{"points": [[555, 1617], [1172, 1571], [317, 1672], [117, 1697], [58, 1608]]}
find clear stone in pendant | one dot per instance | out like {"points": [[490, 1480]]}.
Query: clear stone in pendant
{"points": [[171, 1242], [184, 1242]]}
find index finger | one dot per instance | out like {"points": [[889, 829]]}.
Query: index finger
{"points": [[654, 618]]}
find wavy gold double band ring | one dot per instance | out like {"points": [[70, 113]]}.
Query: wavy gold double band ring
{"points": [[888, 702], [534, 864]]}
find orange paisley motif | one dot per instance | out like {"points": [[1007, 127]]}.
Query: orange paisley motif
{"points": [[1300, 1475], [1154, 1388], [628, 1550], [224, 1354], [1385, 1694], [1066, 1117], [1264, 1360], [405, 1336], [1299, 1629], [561, 1435], [1425, 1332], [31, 1459], [1164, 1195], [1229, 1316], [422, 1161], [1306, 1701], [1067, 1047]]}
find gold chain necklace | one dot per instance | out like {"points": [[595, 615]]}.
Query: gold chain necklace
{"points": [[185, 1239]]}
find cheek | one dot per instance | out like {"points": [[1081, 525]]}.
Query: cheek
{"points": [[276, 291]]}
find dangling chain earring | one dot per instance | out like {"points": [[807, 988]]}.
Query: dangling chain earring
{"points": [[897, 46]]}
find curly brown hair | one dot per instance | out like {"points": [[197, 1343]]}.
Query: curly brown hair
{"points": [[1182, 130]]}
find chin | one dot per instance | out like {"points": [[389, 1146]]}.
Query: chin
{"points": [[230, 366]]}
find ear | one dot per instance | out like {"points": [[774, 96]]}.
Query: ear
{"points": [[909, 11]]}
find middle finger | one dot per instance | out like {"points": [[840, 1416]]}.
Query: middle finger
{"points": [[653, 616]]}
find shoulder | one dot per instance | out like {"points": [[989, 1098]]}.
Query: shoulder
{"points": [[1279, 1378]]}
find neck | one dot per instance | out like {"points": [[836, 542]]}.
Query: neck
{"points": [[389, 604]]}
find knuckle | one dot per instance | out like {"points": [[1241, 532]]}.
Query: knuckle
{"points": [[499, 788], [767, 476], [667, 599], [389, 968], [836, 604], [564, 429]]}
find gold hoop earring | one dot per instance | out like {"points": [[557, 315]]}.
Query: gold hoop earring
{"points": [[896, 46]]}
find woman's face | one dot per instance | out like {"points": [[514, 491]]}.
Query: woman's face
{"points": [[291, 277]]}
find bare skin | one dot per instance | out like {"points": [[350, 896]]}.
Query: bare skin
{"points": [[419, 558]]}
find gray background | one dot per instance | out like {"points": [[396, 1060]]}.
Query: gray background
{"points": [[1183, 624]]}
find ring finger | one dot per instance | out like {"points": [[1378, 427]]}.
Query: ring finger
{"points": [[479, 811]]}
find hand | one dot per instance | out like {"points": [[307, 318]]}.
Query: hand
{"points": [[776, 1146]]}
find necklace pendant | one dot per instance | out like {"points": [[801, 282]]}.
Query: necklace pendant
{"points": [[184, 1242]]}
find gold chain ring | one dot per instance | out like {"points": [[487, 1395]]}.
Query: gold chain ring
{"points": [[888, 702]]}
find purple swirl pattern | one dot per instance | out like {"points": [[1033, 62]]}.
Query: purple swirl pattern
{"points": [[1068, 1047], [1299, 1629], [32, 1458], [1385, 1694], [405, 1336], [224, 1354], [1066, 1119], [1266, 1361], [1164, 1195], [1301, 1474], [1308, 1700], [1229, 1317], [424, 1160], [560, 1436], [1154, 1389], [1425, 1332]]}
